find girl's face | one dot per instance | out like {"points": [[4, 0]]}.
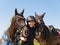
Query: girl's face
{"points": [[31, 23]]}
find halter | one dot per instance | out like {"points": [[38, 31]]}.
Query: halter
{"points": [[39, 31]]}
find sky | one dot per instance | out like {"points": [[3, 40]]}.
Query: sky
{"points": [[51, 7]]}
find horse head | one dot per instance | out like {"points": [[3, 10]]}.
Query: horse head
{"points": [[43, 32], [39, 21], [39, 18], [18, 21]]}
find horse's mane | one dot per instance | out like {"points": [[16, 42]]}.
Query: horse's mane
{"points": [[14, 26], [47, 35], [11, 30], [46, 32]]}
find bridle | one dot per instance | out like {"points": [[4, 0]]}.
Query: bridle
{"points": [[18, 31]]}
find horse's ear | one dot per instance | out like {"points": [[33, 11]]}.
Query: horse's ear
{"points": [[22, 12], [15, 11], [36, 15], [43, 14]]}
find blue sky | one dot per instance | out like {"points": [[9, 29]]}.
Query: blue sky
{"points": [[51, 7]]}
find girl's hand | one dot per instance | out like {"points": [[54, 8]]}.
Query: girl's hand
{"points": [[23, 38]]}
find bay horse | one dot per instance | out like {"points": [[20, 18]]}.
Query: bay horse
{"points": [[43, 35], [17, 22]]}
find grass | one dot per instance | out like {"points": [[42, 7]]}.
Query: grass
{"points": [[35, 42]]}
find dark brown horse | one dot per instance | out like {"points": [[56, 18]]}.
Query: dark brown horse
{"points": [[21, 26], [17, 22], [43, 35], [23, 32]]}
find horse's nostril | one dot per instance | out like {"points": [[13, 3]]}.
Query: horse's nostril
{"points": [[58, 44]]}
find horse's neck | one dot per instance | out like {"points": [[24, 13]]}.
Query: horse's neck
{"points": [[41, 25], [48, 35]]}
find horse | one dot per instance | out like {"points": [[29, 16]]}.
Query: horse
{"points": [[22, 28], [17, 22], [43, 34]]}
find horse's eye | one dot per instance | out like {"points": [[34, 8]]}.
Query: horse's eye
{"points": [[41, 20], [19, 20]]}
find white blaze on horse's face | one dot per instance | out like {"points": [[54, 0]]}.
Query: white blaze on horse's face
{"points": [[39, 33], [38, 21]]}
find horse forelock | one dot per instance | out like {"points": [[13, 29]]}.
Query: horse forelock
{"points": [[22, 17]]}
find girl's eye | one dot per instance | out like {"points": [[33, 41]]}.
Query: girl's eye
{"points": [[19, 20]]}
